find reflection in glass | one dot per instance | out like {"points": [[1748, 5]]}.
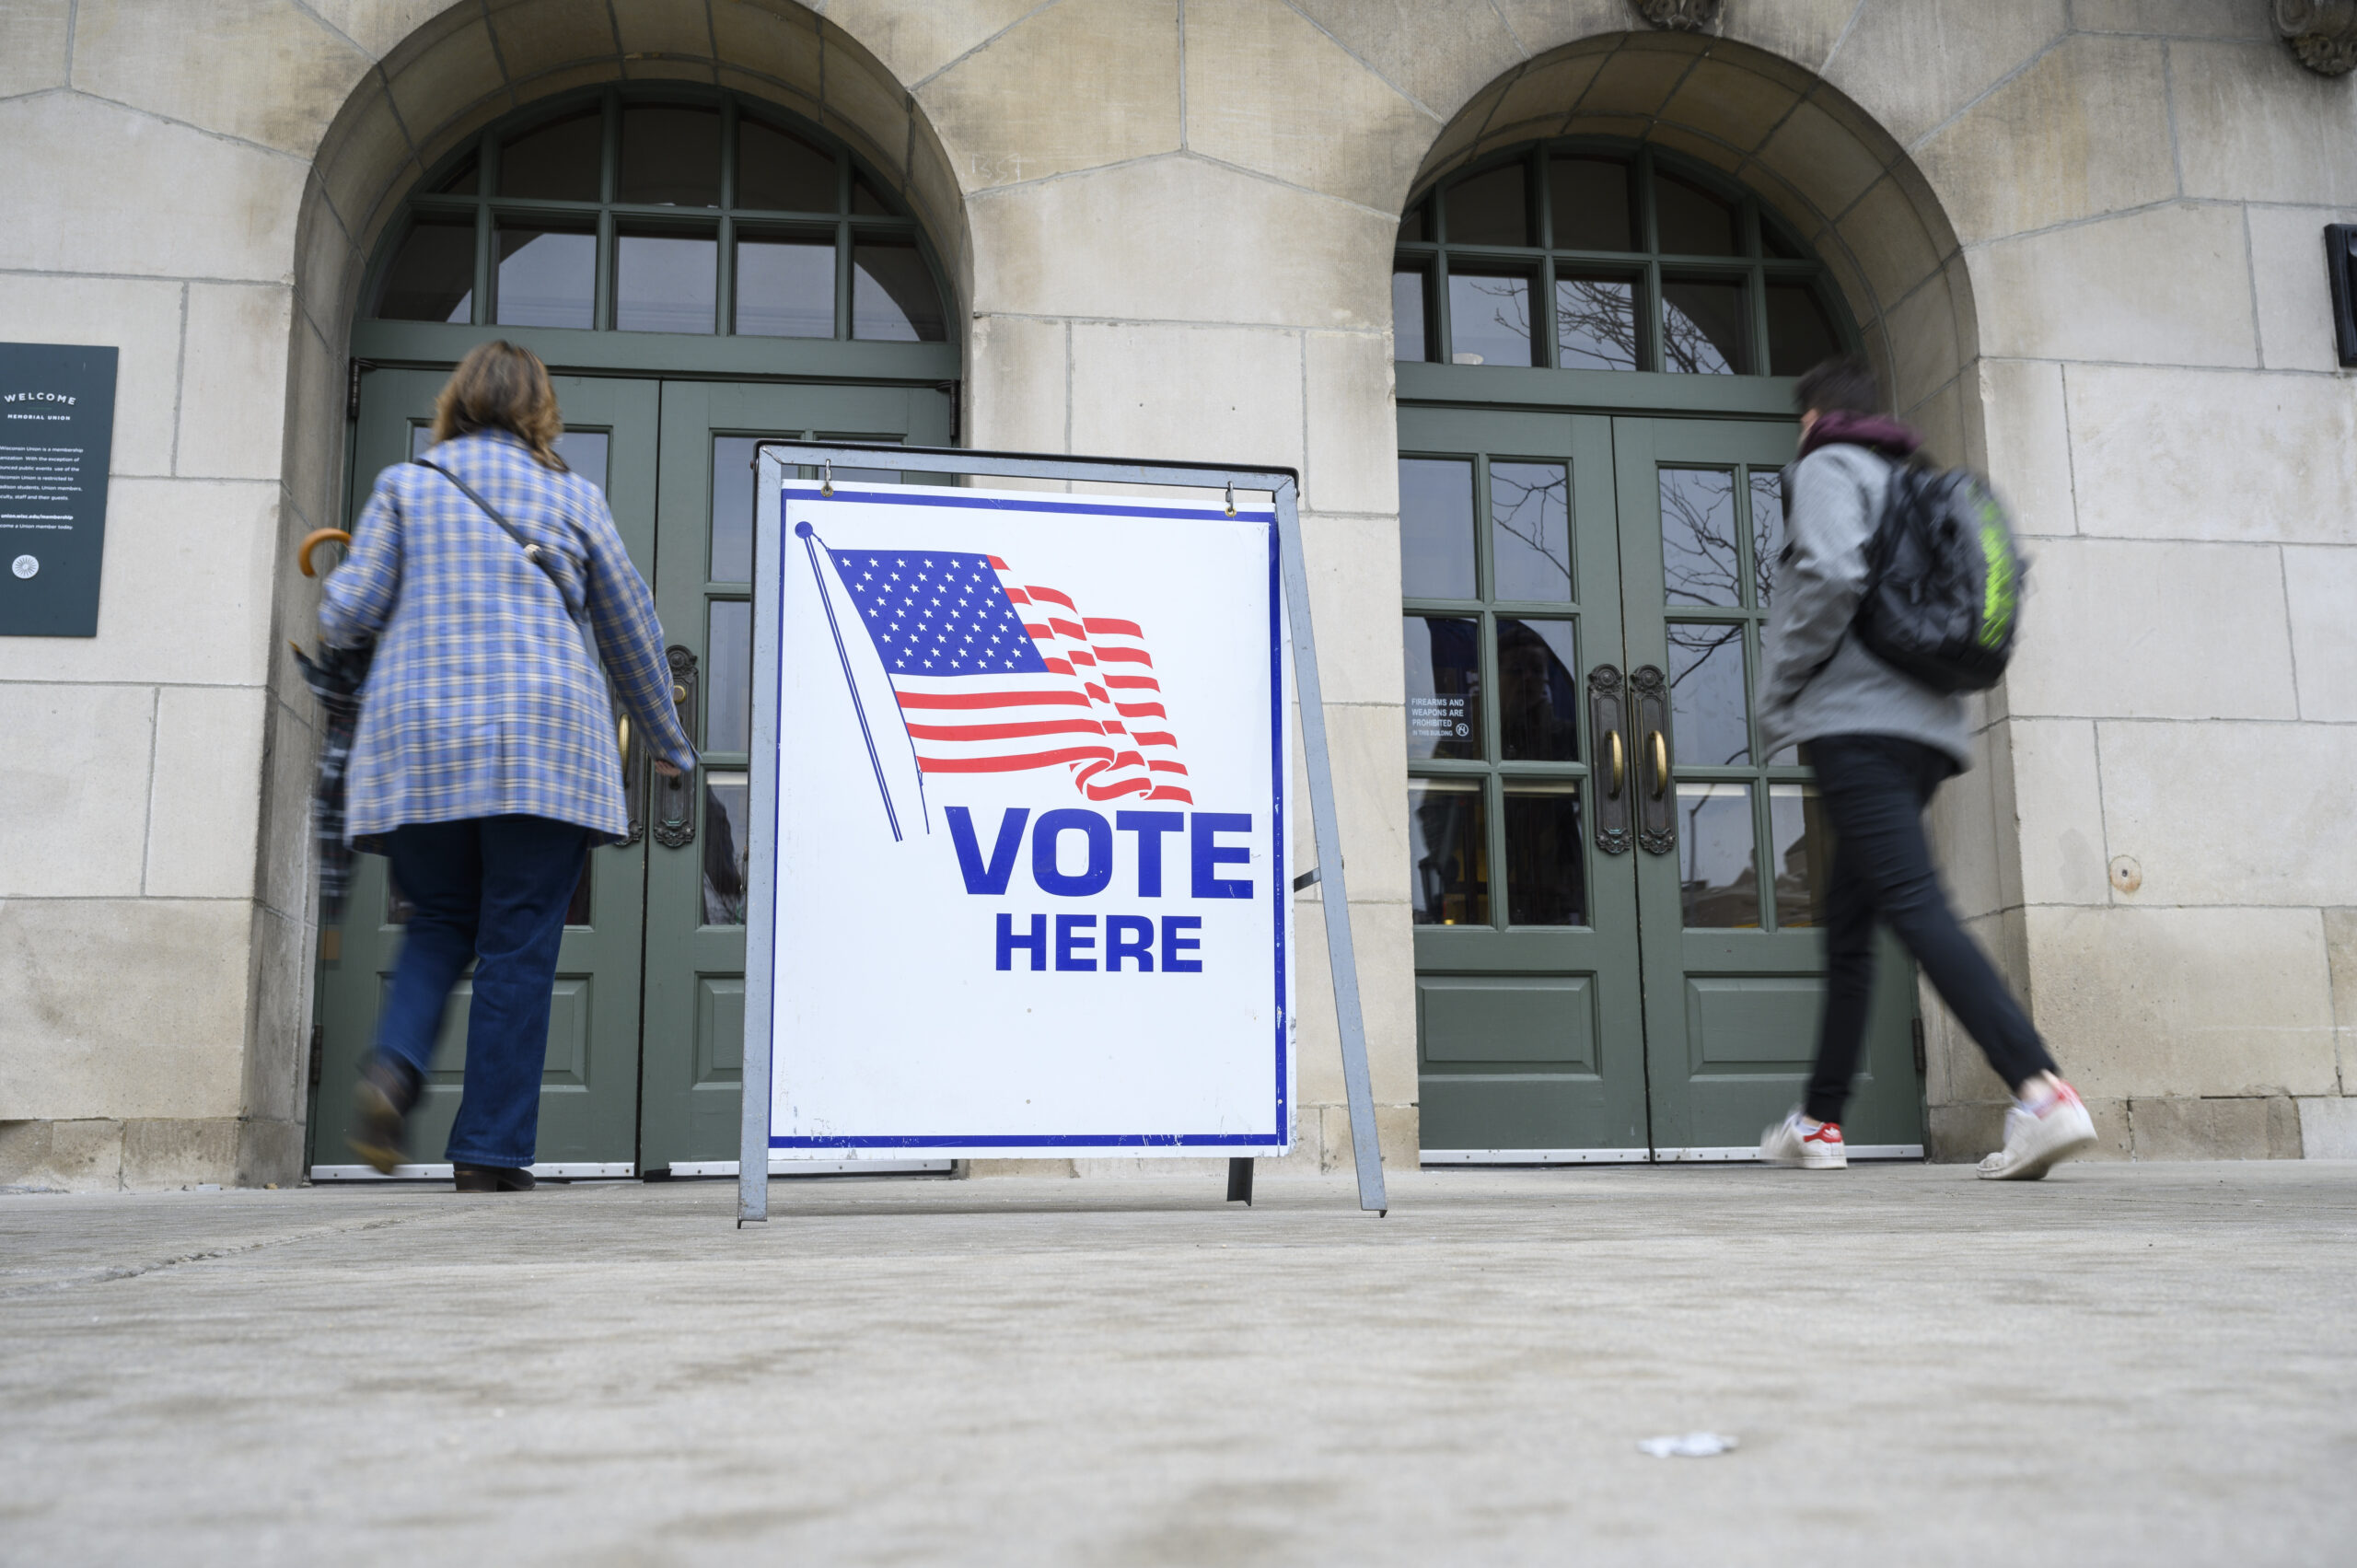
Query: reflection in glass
{"points": [[1698, 556], [1530, 531], [1691, 221], [785, 289], [1448, 853], [1537, 694], [781, 172], [1702, 329], [1588, 199], [1706, 695], [433, 274], [1489, 209], [732, 508], [1716, 878], [728, 678], [547, 277], [1435, 527], [670, 156], [1767, 530], [558, 162], [1595, 323], [1546, 881], [1800, 846], [892, 297], [665, 283], [1407, 315], [1444, 669], [1800, 334], [726, 798], [584, 452], [1489, 319]]}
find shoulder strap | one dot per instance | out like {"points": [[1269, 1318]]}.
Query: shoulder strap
{"points": [[532, 552]]}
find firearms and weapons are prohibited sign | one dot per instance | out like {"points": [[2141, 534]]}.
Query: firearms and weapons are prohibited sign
{"points": [[1029, 879]]}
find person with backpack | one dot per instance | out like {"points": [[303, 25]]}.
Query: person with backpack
{"points": [[1895, 592]]}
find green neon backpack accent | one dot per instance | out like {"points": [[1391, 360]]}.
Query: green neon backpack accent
{"points": [[1943, 581]]}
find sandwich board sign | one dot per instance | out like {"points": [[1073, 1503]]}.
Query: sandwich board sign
{"points": [[1020, 876]]}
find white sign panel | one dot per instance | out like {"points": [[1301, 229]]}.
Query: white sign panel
{"points": [[1030, 882]]}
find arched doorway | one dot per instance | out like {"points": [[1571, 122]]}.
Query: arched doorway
{"points": [[1615, 888], [701, 270]]}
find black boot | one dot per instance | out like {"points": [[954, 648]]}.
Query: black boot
{"points": [[492, 1178], [381, 1103]]}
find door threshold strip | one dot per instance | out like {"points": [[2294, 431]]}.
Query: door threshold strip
{"points": [[817, 1168], [1729, 1154], [554, 1172]]}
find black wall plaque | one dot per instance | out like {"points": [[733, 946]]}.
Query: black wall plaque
{"points": [[56, 444]]}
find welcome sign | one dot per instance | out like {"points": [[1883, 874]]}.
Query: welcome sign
{"points": [[1030, 884]]}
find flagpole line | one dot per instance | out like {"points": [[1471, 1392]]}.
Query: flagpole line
{"points": [[851, 684]]}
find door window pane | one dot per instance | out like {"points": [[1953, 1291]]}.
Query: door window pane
{"points": [[728, 678], [1449, 855], [665, 283], [1690, 220], [462, 181], [1698, 556], [1489, 319], [1706, 695], [584, 452], [1444, 669], [1702, 329], [1407, 315], [1413, 223], [558, 162], [1435, 527], [785, 289], [670, 156], [547, 277], [1800, 334], [1595, 323], [1489, 209], [780, 171], [1800, 846], [1767, 530], [1539, 719], [727, 799], [1530, 531], [892, 297], [866, 200], [1546, 880], [1716, 878], [433, 274], [732, 508], [1588, 200]]}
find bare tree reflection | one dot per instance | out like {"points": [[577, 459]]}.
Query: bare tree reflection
{"points": [[1532, 502], [1595, 324], [1481, 302], [1701, 333], [1698, 537]]}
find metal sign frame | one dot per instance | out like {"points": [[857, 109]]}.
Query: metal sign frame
{"points": [[771, 459]]}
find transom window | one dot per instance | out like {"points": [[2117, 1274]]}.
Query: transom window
{"points": [[702, 214], [1587, 256]]}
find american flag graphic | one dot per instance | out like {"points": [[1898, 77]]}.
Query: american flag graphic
{"points": [[999, 676]]}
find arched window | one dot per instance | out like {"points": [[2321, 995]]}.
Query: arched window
{"points": [[1586, 255], [693, 213]]}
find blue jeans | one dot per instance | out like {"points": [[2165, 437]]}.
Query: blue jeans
{"points": [[493, 890]]}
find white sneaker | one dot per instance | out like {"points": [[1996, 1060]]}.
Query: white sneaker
{"points": [[1791, 1141], [2038, 1140]]}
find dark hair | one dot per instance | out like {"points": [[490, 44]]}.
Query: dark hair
{"points": [[1844, 383], [502, 385]]}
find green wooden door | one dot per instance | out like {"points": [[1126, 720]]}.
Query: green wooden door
{"points": [[589, 1087], [1732, 850], [696, 872], [1529, 1024]]}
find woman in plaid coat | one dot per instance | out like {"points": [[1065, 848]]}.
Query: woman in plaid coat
{"points": [[485, 758]]}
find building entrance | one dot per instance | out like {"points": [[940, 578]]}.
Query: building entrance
{"points": [[645, 1034]]}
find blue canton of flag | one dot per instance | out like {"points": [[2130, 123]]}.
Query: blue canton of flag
{"points": [[937, 615]]}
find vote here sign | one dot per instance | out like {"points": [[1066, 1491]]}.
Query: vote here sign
{"points": [[1030, 874]]}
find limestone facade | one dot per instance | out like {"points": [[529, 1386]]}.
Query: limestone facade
{"points": [[2082, 237]]}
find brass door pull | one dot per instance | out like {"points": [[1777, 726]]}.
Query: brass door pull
{"points": [[1661, 763], [1608, 717], [1619, 766], [1649, 717]]}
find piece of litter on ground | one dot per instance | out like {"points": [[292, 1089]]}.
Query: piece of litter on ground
{"points": [[1689, 1445]]}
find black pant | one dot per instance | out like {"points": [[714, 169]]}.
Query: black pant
{"points": [[1873, 789]]}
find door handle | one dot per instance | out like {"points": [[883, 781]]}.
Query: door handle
{"points": [[1657, 808], [633, 764], [1607, 719], [675, 797]]}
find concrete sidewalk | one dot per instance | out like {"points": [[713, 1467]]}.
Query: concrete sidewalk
{"points": [[2123, 1364]]}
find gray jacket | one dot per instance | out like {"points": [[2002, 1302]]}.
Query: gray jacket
{"points": [[1834, 499]]}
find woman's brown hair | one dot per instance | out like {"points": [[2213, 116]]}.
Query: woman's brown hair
{"points": [[500, 386]]}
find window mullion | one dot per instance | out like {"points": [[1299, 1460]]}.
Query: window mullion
{"points": [[609, 158], [724, 286]]}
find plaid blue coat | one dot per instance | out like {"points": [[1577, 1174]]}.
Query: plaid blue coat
{"points": [[484, 698]]}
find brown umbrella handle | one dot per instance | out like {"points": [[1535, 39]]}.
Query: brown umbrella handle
{"points": [[311, 541]]}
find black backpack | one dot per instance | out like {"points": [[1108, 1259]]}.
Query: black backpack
{"points": [[1943, 581]]}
